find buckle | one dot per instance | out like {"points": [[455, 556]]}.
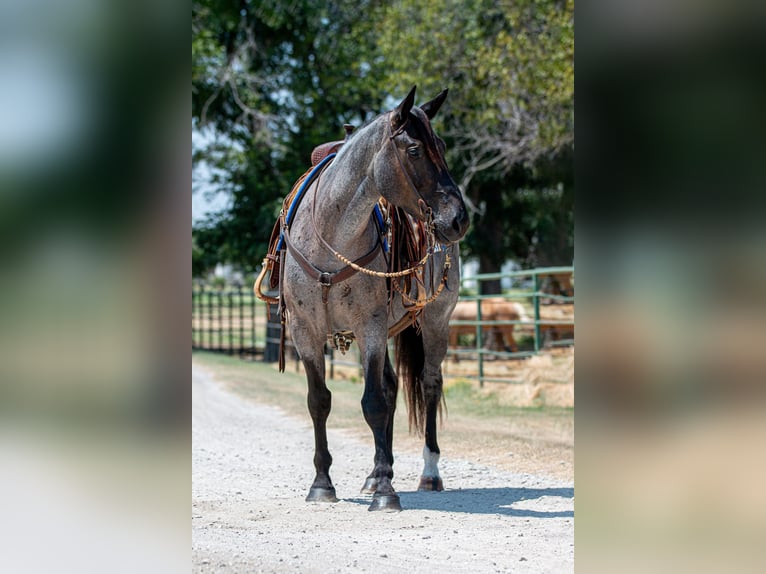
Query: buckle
{"points": [[325, 279]]}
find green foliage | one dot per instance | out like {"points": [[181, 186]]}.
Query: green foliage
{"points": [[509, 121], [271, 80], [218, 283], [509, 67], [204, 257]]}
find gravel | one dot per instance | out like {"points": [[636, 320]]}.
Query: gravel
{"points": [[252, 467]]}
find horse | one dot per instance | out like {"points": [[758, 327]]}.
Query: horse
{"points": [[563, 314], [557, 284], [500, 337], [336, 285]]}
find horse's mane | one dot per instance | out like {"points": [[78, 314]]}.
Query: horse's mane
{"points": [[355, 134]]}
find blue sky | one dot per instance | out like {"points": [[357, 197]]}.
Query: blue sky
{"points": [[205, 199]]}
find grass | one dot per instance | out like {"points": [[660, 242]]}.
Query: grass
{"points": [[229, 339], [476, 426]]}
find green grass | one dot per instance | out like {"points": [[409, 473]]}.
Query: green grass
{"points": [[234, 340]]}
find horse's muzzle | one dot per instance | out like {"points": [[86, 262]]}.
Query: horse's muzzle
{"points": [[453, 229], [460, 223]]}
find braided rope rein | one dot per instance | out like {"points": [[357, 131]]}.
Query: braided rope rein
{"points": [[431, 241], [435, 295], [386, 274]]}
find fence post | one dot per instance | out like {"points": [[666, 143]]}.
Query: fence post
{"points": [[479, 342], [241, 339], [537, 311], [220, 319], [194, 300], [207, 308]]}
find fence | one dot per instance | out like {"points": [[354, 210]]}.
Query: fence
{"points": [[541, 290], [233, 321], [544, 293], [230, 321]]}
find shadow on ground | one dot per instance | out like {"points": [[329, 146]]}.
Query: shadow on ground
{"points": [[482, 501]]}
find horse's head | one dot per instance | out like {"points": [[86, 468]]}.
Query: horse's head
{"points": [[411, 172]]}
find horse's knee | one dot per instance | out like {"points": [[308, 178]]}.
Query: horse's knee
{"points": [[319, 402], [376, 409]]}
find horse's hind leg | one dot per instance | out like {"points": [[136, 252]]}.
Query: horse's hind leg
{"points": [[378, 405], [432, 396], [422, 381], [319, 402]]}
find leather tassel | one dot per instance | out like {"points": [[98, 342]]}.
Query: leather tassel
{"points": [[282, 312]]}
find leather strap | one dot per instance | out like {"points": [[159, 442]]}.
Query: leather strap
{"points": [[282, 314], [328, 278]]}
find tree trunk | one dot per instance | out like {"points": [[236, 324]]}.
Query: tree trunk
{"points": [[487, 265]]}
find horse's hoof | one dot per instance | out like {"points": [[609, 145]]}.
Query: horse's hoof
{"points": [[370, 485], [317, 494], [433, 483], [386, 503]]}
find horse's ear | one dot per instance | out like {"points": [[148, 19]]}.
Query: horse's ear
{"points": [[402, 111], [430, 108]]}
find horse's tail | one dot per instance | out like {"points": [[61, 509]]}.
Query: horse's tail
{"points": [[410, 360]]}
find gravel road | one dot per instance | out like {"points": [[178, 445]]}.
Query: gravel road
{"points": [[252, 467]]}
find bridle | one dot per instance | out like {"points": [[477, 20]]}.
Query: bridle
{"points": [[425, 211]]}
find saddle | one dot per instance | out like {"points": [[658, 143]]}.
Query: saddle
{"points": [[273, 255]]}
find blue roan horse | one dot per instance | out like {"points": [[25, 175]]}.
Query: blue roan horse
{"points": [[338, 284]]}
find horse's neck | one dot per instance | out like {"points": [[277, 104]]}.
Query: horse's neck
{"points": [[348, 194]]}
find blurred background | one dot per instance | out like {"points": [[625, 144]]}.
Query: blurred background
{"points": [[672, 319], [95, 173], [94, 210]]}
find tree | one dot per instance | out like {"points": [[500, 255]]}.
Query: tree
{"points": [[509, 122], [271, 80], [510, 66]]}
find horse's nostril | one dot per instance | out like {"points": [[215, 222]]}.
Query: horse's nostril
{"points": [[456, 225]]}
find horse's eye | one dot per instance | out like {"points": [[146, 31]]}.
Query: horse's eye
{"points": [[413, 151]]}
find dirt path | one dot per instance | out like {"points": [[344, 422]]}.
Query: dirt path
{"points": [[252, 466]]}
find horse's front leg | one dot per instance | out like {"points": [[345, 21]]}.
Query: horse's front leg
{"points": [[390, 389], [378, 405], [319, 403]]}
